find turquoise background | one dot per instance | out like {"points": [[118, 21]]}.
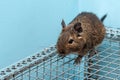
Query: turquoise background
{"points": [[27, 26]]}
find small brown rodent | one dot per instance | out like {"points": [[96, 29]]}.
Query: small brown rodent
{"points": [[81, 35]]}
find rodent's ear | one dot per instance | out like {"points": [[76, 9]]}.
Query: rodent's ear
{"points": [[63, 23], [103, 18], [77, 27]]}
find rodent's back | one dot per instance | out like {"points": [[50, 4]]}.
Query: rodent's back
{"points": [[93, 29]]}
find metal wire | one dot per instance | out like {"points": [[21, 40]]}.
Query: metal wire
{"points": [[46, 65]]}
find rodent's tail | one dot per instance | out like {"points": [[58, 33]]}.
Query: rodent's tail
{"points": [[103, 18]]}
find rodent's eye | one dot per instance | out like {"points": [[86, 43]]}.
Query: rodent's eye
{"points": [[78, 35], [70, 41]]}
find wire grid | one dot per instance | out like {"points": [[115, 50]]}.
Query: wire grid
{"points": [[55, 68], [105, 65]]}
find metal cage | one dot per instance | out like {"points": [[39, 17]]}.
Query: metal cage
{"points": [[46, 65]]}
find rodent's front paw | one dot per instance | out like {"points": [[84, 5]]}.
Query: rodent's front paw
{"points": [[93, 52], [77, 60]]}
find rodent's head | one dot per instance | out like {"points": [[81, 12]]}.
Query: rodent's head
{"points": [[71, 38]]}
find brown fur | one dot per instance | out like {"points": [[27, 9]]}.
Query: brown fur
{"points": [[81, 41]]}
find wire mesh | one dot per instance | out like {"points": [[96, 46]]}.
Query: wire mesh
{"points": [[53, 68], [46, 65], [105, 65]]}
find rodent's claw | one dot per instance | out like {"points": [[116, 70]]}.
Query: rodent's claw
{"points": [[76, 63], [77, 60], [93, 52], [62, 56]]}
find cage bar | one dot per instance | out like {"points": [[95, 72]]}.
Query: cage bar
{"points": [[47, 65]]}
